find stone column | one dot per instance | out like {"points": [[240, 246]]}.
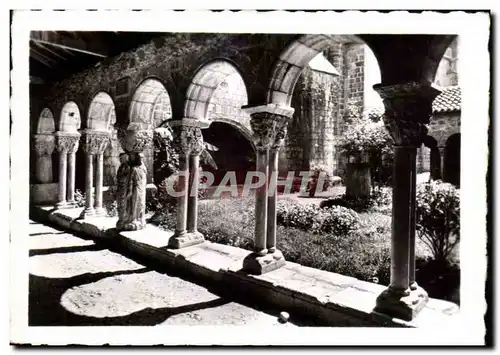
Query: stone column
{"points": [[73, 148], [44, 147], [442, 152], [273, 176], [268, 124], [189, 142], [63, 153], [194, 180], [131, 177], [66, 142], [408, 108], [94, 145]]}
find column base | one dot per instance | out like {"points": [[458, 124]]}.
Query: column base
{"points": [[88, 212], [100, 212], [398, 305], [72, 204], [260, 264], [62, 205], [178, 241]]}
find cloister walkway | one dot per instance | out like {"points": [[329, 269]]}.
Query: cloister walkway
{"points": [[75, 281], [131, 276]]}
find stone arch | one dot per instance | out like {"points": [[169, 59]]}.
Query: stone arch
{"points": [[70, 120], [144, 101], [101, 111], [434, 157], [235, 149], [294, 58], [245, 131], [452, 160], [210, 78], [46, 123]]}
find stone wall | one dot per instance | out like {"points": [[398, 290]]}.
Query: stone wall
{"points": [[320, 101]]}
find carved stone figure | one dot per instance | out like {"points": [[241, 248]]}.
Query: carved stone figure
{"points": [[131, 192], [122, 180]]}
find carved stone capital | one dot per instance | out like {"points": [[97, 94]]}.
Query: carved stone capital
{"points": [[135, 140], [280, 132], [67, 142], [269, 130], [188, 140], [95, 142], [44, 144], [408, 108]]}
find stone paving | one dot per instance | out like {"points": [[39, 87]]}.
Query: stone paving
{"points": [[74, 281], [328, 298]]}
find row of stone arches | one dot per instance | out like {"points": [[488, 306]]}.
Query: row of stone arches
{"points": [[442, 160], [268, 121]]}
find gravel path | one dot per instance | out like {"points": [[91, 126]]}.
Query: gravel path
{"points": [[76, 282]]}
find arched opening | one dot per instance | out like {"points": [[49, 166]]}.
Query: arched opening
{"points": [[235, 151], [217, 91], [46, 124], [431, 158], [44, 172], [102, 117], [150, 108], [327, 80], [70, 119], [452, 160], [70, 122]]}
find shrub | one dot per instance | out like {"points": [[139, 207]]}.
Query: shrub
{"points": [[438, 217], [336, 220], [318, 170], [79, 198], [379, 200]]}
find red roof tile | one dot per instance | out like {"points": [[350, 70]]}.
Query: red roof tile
{"points": [[449, 100]]}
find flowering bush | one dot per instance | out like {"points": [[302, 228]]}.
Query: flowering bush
{"points": [[336, 220], [438, 217], [317, 170], [365, 136]]}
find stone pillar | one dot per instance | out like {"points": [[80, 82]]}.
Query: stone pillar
{"points": [[66, 143], [44, 147], [99, 210], [63, 153], [194, 180], [94, 145], [268, 124], [71, 171], [189, 142], [408, 108], [442, 152], [273, 176]]}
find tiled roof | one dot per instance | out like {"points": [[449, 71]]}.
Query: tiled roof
{"points": [[449, 100]]}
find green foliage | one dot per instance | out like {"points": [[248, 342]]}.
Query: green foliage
{"points": [[336, 220], [316, 170], [438, 217], [79, 198], [379, 200], [166, 159], [365, 137]]}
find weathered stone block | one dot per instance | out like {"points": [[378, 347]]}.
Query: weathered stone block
{"points": [[42, 194]]}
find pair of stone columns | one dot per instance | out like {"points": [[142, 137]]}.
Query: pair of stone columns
{"points": [[67, 145], [44, 147], [189, 142], [94, 144], [408, 108], [268, 124]]}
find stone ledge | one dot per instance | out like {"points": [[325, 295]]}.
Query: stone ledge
{"points": [[335, 299]]}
